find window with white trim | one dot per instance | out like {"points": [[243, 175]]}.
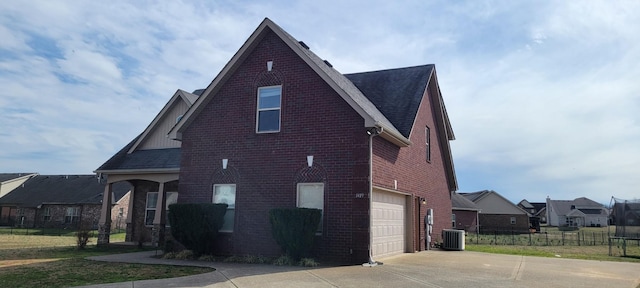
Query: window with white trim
{"points": [[513, 220], [152, 203], [72, 216], [150, 208], [226, 194], [268, 114], [46, 214], [453, 220], [311, 195]]}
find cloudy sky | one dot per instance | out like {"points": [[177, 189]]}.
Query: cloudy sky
{"points": [[543, 97]]}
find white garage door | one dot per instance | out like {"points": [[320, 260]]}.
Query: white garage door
{"points": [[388, 223]]}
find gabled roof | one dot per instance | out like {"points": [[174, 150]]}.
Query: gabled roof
{"points": [[491, 207], [155, 160], [459, 202], [130, 159], [60, 189], [343, 86], [180, 94], [7, 177], [564, 207]]}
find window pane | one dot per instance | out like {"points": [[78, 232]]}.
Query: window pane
{"points": [[150, 214], [228, 220], [172, 198], [311, 196], [269, 120], [152, 199], [269, 98], [225, 194]]}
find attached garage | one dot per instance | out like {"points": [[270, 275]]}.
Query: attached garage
{"points": [[389, 223]]}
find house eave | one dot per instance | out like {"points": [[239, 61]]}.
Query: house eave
{"points": [[138, 171]]}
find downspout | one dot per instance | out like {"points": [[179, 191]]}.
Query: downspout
{"points": [[373, 131]]}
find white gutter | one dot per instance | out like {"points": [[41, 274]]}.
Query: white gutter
{"points": [[374, 131]]}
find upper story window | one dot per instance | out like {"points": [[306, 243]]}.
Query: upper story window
{"points": [[428, 141], [268, 115]]}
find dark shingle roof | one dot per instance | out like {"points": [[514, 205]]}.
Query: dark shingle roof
{"points": [[397, 93], [142, 159], [9, 176], [564, 207], [460, 202], [59, 189], [475, 196]]}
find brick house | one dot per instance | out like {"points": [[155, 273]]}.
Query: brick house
{"points": [[58, 201], [280, 127], [497, 214], [150, 163], [464, 213]]}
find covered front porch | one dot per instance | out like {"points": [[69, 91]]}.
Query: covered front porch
{"points": [[146, 217]]}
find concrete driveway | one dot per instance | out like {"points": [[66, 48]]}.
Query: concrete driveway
{"points": [[425, 269]]}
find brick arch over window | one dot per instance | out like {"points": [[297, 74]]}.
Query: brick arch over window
{"points": [[269, 78], [316, 173], [225, 176]]}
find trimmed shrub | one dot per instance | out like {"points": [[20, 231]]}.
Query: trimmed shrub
{"points": [[294, 229], [196, 225]]}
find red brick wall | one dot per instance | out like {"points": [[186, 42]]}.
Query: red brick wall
{"points": [[415, 175], [490, 223], [266, 167], [466, 220]]}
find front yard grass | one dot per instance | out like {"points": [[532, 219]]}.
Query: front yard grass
{"points": [[54, 261]]}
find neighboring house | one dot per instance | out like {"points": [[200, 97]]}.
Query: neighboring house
{"points": [[497, 214], [536, 211], [8, 182], [150, 163], [119, 211], [279, 127], [56, 201], [580, 212], [464, 214]]}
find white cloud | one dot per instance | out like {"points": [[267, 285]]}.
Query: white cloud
{"points": [[542, 96]]}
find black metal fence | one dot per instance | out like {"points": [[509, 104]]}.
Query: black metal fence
{"points": [[550, 238]]}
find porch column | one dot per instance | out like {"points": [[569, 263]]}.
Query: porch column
{"points": [[129, 222], [160, 218], [104, 225]]}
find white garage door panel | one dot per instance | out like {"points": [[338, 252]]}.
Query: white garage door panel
{"points": [[388, 229]]}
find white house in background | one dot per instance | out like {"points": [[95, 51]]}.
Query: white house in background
{"points": [[580, 212]]}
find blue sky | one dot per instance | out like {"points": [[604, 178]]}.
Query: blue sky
{"points": [[543, 96]]}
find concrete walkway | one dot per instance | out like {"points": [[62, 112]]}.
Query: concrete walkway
{"points": [[424, 269]]}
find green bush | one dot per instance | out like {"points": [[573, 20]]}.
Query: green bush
{"points": [[294, 229], [196, 225]]}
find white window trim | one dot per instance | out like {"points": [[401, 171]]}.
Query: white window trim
{"points": [[147, 208], [258, 110], [320, 227], [213, 199], [513, 220], [155, 208]]}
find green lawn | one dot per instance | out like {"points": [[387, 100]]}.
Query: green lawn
{"points": [[54, 261]]}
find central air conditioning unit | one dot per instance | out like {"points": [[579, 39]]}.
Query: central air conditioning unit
{"points": [[453, 239]]}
